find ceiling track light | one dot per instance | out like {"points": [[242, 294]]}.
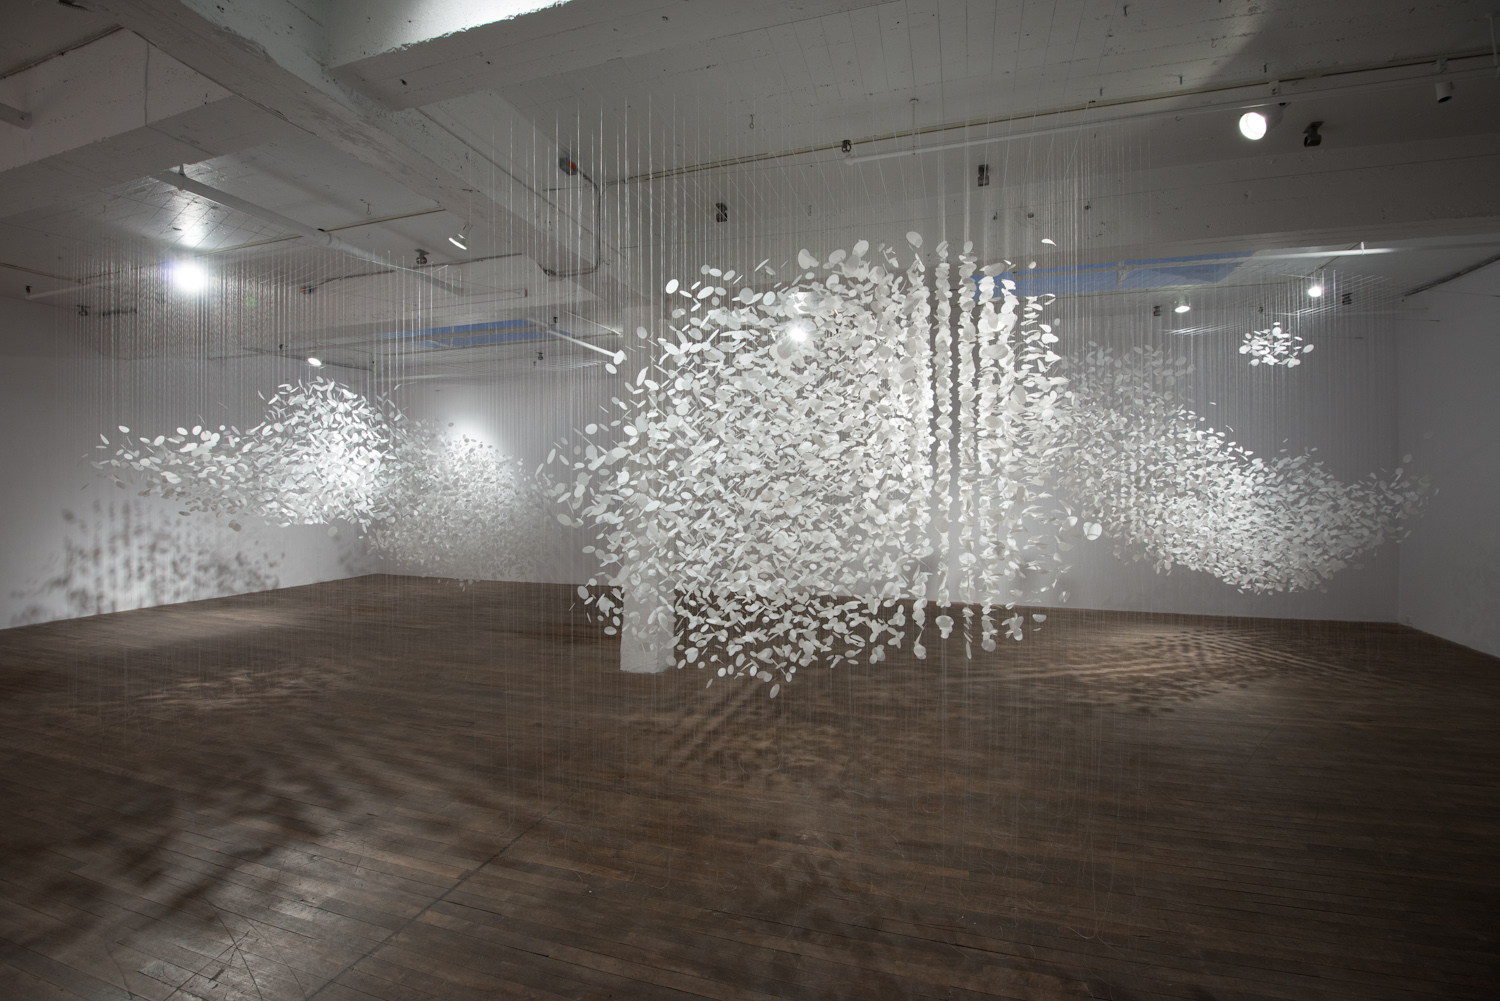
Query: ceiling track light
{"points": [[1311, 136], [315, 361], [1181, 305], [1443, 91], [1255, 123], [1315, 290]]}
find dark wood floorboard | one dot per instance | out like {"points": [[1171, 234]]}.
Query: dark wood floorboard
{"points": [[394, 789]]}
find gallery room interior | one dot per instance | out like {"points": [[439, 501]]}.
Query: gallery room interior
{"points": [[806, 499]]}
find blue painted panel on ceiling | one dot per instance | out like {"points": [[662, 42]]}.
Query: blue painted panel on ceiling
{"points": [[467, 335], [1146, 273]]}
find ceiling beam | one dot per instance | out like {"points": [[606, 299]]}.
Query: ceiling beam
{"points": [[406, 55], [112, 111], [268, 54]]}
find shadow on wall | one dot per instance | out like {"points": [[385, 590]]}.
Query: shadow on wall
{"points": [[127, 554]]}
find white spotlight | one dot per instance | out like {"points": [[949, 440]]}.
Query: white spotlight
{"points": [[188, 276], [798, 331], [1315, 290], [314, 361], [457, 239], [1255, 124], [1181, 307]]}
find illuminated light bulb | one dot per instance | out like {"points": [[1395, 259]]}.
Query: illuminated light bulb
{"points": [[188, 276], [457, 239], [314, 361], [1315, 290], [798, 331], [1182, 307], [1255, 124]]}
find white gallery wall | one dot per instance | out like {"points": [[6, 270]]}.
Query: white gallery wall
{"points": [[522, 414], [1449, 379], [1339, 406], [74, 544]]}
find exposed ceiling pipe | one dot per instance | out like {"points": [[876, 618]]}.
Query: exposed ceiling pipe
{"points": [[1106, 113], [48, 57], [1085, 118], [615, 356], [15, 116], [310, 233], [1486, 262], [570, 166]]}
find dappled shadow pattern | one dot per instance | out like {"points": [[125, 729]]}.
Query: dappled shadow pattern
{"points": [[398, 788], [125, 554]]}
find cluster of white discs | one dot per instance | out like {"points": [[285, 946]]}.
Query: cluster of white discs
{"points": [[823, 470], [324, 454], [818, 472], [1274, 346]]}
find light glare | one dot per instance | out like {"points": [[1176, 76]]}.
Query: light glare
{"points": [[315, 362], [1315, 290], [188, 276], [1253, 125], [1182, 307]]}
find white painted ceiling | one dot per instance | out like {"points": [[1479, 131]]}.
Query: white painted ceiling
{"points": [[396, 123]]}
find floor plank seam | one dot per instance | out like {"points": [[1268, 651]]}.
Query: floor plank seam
{"points": [[458, 885]]}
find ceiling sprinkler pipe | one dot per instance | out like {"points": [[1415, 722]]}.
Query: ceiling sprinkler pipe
{"points": [[15, 116], [310, 233], [615, 356], [598, 223], [1088, 117]]}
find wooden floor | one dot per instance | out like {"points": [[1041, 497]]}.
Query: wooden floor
{"points": [[393, 788]]}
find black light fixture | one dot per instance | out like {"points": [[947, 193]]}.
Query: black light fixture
{"points": [[984, 175], [1443, 91], [1310, 135], [421, 256], [721, 212]]}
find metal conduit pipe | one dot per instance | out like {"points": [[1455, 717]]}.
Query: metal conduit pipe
{"points": [[310, 233]]}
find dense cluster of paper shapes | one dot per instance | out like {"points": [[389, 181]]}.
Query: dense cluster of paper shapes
{"points": [[810, 472], [818, 466], [430, 501], [1170, 489], [820, 471], [1275, 345]]}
